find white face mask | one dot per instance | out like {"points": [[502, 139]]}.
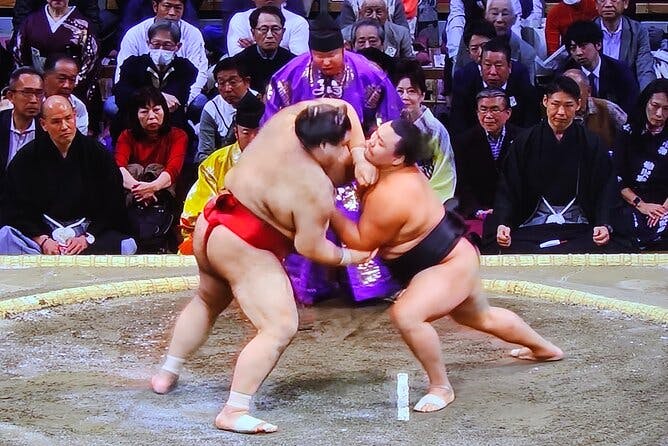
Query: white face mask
{"points": [[161, 57]]}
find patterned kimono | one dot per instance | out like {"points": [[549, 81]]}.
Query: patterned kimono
{"points": [[368, 90], [35, 41]]}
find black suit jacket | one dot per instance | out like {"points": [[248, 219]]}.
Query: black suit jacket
{"points": [[467, 83], [477, 170], [5, 122], [616, 83]]}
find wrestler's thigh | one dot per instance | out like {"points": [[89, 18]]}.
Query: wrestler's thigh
{"points": [[257, 278], [215, 291], [436, 291]]}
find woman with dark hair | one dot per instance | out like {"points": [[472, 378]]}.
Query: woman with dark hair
{"points": [[439, 168], [423, 246], [641, 160], [151, 152]]}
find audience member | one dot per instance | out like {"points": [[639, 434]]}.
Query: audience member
{"points": [[503, 15], [608, 78], [60, 78], [397, 40], [216, 127], [496, 71], [58, 28], [266, 56], [18, 125], [557, 186], [162, 67], [135, 11], [212, 171], [562, 15], [295, 35], [191, 47], [600, 116], [350, 13], [625, 40], [64, 192], [479, 155], [89, 8], [150, 153], [440, 168], [365, 33], [641, 159], [331, 72]]}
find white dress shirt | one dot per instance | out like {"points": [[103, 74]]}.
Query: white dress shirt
{"points": [[295, 36]]}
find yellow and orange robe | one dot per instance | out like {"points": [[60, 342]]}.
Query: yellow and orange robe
{"points": [[210, 182]]}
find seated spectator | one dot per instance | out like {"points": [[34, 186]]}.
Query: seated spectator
{"points": [[64, 192], [60, 77], [18, 125], [150, 147], [600, 116], [557, 186], [151, 155], [295, 35], [464, 12], [608, 78], [503, 15], [496, 71], [135, 11], [397, 41], [366, 33], [266, 56], [212, 171], [58, 28], [479, 155], [641, 159], [230, 7], [562, 15], [440, 169], [625, 40], [89, 8], [216, 127], [160, 66], [350, 13], [191, 48]]}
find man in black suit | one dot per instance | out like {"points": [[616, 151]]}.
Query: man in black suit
{"points": [[479, 153], [495, 71], [18, 125], [608, 78]]}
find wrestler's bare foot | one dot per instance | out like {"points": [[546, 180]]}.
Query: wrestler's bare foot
{"points": [[436, 399], [237, 420], [164, 382], [552, 353]]}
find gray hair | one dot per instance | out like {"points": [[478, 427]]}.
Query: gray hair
{"points": [[493, 93], [368, 22], [511, 6], [170, 26]]}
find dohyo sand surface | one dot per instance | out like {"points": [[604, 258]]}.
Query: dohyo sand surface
{"points": [[78, 375]]}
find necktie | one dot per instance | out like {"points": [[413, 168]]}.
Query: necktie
{"points": [[592, 84]]}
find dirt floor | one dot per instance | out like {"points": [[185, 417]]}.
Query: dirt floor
{"points": [[78, 375]]}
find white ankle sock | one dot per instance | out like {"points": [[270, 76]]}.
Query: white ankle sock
{"points": [[173, 364], [239, 400]]}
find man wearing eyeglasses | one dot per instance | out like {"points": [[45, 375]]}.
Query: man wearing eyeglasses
{"points": [[18, 125], [479, 154], [191, 47], [160, 67], [266, 56], [294, 38]]}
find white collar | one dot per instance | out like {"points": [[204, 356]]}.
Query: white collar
{"points": [[596, 70], [617, 31], [54, 24], [31, 127]]}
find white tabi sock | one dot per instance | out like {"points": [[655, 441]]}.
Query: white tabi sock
{"points": [[173, 364]]}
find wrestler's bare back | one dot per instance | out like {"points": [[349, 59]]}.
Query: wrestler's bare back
{"points": [[277, 179]]}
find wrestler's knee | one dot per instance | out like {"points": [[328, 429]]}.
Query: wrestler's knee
{"points": [[282, 331], [403, 317]]}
